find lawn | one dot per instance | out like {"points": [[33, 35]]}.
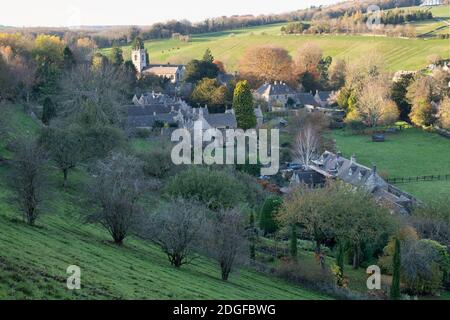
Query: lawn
{"points": [[411, 152], [406, 54], [33, 260]]}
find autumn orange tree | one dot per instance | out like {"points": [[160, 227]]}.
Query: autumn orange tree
{"points": [[266, 63]]}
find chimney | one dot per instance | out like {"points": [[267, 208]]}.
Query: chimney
{"points": [[353, 159], [374, 169], [339, 154], [154, 113]]}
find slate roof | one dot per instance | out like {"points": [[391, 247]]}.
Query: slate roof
{"points": [[218, 120], [307, 99], [135, 111], [258, 113], [324, 95], [149, 120], [276, 88], [225, 78], [349, 171]]}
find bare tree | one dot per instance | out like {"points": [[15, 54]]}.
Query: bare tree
{"points": [[337, 73], [93, 96], [227, 239], [29, 177], [444, 113], [308, 58], [306, 144], [177, 228], [83, 49], [65, 148], [374, 105], [117, 187]]}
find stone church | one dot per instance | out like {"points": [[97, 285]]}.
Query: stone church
{"points": [[139, 57]]}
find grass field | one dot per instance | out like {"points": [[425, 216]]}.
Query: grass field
{"points": [[405, 54], [412, 152], [439, 25], [33, 260]]}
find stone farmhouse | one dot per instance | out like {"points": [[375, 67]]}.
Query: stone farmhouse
{"points": [[279, 95], [325, 99], [174, 73], [334, 166], [276, 94]]}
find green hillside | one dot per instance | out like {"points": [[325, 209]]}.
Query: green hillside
{"points": [[406, 54], [33, 260]]}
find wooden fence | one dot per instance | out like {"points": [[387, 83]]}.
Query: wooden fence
{"points": [[439, 177]]}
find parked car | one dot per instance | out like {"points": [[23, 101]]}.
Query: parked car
{"points": [[295, 166]]}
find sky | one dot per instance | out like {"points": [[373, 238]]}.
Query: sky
{"points": [[66, 13]]}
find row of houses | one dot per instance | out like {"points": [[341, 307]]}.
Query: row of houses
{"points": [[160, 110], [279, 96], [334, 166]]}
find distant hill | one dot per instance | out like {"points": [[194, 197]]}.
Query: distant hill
{"points": [[228, 46]]}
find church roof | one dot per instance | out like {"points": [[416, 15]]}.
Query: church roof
{"points": [[168, 69]]}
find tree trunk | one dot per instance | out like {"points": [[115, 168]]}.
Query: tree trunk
{"points": [[225, 271], [65, 173], [356, 257], [319, 255]]}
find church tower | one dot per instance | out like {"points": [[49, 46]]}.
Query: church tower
{"points": [[139, 55]]}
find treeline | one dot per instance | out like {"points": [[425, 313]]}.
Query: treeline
{"points": [[390, 23], [401, 16], [108, 36]]}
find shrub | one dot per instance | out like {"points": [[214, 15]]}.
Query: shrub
{"points": [[215, 188], [356, 126], [143, 133], [315, 279], [156, 162], [423, 266], [270, 208]]}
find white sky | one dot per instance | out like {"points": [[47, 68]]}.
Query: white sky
{"points": [[64, 13]]}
